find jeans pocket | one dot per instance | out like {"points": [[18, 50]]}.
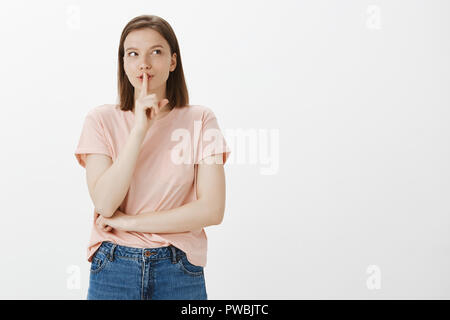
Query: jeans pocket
{"points": [[99, 261], [189, 268]]}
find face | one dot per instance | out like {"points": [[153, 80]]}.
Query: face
{"points": [[145, 50]]}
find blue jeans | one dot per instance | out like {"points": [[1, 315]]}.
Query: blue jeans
{"points": [[126, 273]]}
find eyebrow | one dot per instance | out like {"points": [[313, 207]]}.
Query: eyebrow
{"points": [[155, 46]]}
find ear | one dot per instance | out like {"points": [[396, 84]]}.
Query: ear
{"points": [[174, 61]]}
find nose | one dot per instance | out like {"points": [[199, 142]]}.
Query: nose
{"points": [[145, 63], [144, 66]]}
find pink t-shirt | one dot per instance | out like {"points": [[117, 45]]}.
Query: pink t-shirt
{"points": [[165, 173]]}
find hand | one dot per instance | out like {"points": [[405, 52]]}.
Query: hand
{"points": [[118, 220], [146, 106], [101, 224]]}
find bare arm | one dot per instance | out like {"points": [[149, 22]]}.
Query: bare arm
{"points": [[109, 190], [206, 211], [112, 186], [191, 216]]}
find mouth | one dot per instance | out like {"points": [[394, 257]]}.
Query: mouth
{"points": [[149, 77]]}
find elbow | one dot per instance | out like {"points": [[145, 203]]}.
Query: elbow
{"points": [[214, 213], [103, 204], [105, 207], [104, 213], [219, 216], [218, 221]]}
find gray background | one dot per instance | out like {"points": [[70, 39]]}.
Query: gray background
{"points": [[355, 96]]}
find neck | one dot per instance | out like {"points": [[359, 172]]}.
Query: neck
{"points": [[163, 110]]}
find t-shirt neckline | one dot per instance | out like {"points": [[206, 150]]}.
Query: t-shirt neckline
{"points": [[161, 121]]}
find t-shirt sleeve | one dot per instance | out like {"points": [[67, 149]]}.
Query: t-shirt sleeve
{"points": [[211, 139], [92, 139]]}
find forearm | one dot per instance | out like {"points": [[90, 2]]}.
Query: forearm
{"points": [[112, 186], [191, 216]]}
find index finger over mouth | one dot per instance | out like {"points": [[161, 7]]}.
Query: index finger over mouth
{"points": [[144, 87]]}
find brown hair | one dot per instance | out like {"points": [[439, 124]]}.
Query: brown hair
{"points": [[176, 89]]}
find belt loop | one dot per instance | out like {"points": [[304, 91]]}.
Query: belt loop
{"points": [[111, 253], [174, 254]]}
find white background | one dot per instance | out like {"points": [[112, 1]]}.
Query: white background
{"points": [[357, 90]]}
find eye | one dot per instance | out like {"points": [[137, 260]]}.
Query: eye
{"points": [[136, 52]]}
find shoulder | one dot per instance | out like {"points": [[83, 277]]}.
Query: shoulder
{"points": [[104, 112], [201, 109], [104, 109], [198, 112]]}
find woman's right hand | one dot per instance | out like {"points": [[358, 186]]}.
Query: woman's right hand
{"points": [[146, 107]]}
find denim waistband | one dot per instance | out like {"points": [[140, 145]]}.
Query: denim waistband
{"points": [[112, 249]]}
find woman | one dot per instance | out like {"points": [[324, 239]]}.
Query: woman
{"points": [[154, 168]]}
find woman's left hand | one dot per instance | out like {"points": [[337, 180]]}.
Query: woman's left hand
{"points": [[118, 220]]}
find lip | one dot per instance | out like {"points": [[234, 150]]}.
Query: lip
{"points": [[140, 77]]}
